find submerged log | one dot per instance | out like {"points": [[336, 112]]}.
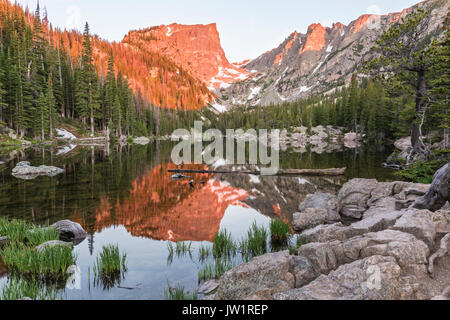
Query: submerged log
{"points": [[287, 172], [438, 194]]}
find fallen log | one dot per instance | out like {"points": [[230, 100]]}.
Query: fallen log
{"points": [[287, 172]]}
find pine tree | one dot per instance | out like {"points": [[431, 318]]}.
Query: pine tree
{"points": [[87, 85], [41, 116], [51, 105], [440, 83], [403, 54]]}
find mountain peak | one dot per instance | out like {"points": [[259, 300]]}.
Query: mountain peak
{"points": [[315, 38], [196, 48], [320, 60]]}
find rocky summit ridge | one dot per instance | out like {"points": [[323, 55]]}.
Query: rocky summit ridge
{"points": [[320, 60]]}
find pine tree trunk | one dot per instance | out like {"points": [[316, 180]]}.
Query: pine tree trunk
{"points": [[51, 125], [446, 138], [418, 146], [42, 126], [92, 110]]}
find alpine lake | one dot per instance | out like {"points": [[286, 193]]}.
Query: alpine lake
{"points": [[125, 195]]}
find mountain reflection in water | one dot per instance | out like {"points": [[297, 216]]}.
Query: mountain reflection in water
{"points": [[125, 196], [162, 209]]}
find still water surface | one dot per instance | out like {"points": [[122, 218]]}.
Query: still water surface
{"points": [[125, 196]]}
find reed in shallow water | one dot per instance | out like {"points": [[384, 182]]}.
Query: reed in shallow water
{"points": [[15, 230], [204, 253], [19, 231], [20, 288], [182, 248], [280, 232], [110, 267], [179, 293], [257, 240], [223, 244], [214, 270], [110, 260], [50, 262]]}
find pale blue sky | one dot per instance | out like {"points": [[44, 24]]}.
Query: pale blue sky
{"points": [[247, 28]]}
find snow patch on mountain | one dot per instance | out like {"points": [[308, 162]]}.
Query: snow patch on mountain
{"points": [[220, 108], [320, 64], [254, 92]]}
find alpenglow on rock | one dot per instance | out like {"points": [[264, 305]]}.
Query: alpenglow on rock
{"points": [[320, 60]]}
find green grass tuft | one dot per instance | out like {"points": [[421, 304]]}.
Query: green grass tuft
{"points": [[19, 231], [204, 253], [256, 240], [15, 230], [37, 235], [223, 244], [280, 232], [110, 260], [18, 288], [214, 270], [183, 248], [51, 262], [179, 293], [110, 267]]}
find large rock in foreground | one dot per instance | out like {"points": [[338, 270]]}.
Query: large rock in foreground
{"points": [[25, 171], [385, 255], [326, 201], [309, 218], [316, 209], [259, 279], [373, 278]]}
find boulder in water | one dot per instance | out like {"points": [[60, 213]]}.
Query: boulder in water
{"points": [[52, 244], [141, 140], [70, 231], [25, 171]]}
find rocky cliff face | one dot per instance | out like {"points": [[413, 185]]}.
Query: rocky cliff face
{"points": [[321, 59], [196, 48]]}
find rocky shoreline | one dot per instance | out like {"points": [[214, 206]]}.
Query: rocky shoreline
{"points": [[385, 252]]}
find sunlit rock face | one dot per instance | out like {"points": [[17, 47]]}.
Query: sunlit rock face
{"points": [[196, 48], [315, 39], [320, 60]]}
